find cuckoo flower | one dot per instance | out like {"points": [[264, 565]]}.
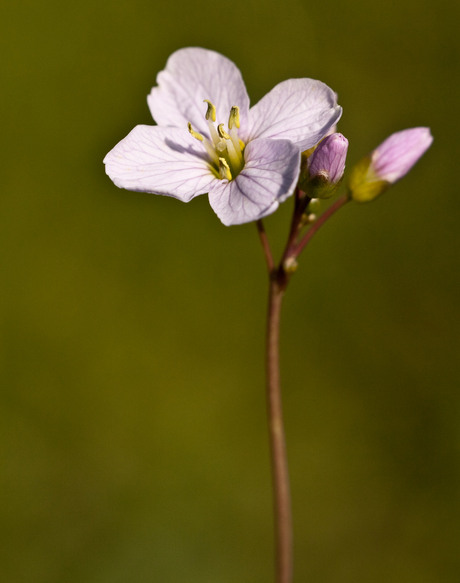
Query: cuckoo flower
{"points": [[208, 140]]}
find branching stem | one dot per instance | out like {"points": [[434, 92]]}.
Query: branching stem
{"points": [[278, 280]]}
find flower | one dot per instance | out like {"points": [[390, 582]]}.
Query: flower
{"points": [[388, 163], [248, 167], [327, 164]]}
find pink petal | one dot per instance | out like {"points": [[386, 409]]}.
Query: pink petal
{"points": [[300, 110], [269, 176], [164, 161], [192, 75], [399, 152]]}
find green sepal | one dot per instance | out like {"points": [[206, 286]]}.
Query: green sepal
{"points": [[320, 187], [363, 184]]}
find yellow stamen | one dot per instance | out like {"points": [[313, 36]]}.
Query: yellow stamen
{"points": [[222, 133], [211, 151], [224, 148], [235, 155], [237, 143], [195, 134], [234, 119], [213, 133], [211, 111], [224, 169]]}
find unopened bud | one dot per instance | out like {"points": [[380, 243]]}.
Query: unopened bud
{"points": [[314, 206], [327, 164], [290, 265], [388, 163]]}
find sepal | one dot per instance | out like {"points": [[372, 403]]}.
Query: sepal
{"points": [[363, 184]]}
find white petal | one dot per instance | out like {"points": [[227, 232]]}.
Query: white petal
{"points": [[164, 161], [192, 75], [269, 176], [300, 110]]}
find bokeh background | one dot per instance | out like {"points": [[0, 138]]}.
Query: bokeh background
{"points": [[133, 440]]}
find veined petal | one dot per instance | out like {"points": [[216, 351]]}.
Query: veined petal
{"points": [[164, 161], [192, 75], [399, 152], [269, 176], [300, 110]]}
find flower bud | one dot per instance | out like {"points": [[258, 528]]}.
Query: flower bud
{"points": [[326, 165], [388, 163]]}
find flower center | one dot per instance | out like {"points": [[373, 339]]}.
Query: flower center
{"points": [[224, 149]]}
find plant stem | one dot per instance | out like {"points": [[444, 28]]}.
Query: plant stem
{"points": [[279, 279], [279, 465], [295, 250], [265, 245]]}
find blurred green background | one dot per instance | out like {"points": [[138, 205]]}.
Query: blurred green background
{"points": [[133, 440]]}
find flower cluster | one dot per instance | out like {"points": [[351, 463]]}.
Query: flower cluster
{"points": [[248, 159]]}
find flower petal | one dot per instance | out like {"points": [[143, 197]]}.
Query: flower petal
{"points": [[269, 176], [192, 75], [164, 161], [300, 110], [399, 152]]}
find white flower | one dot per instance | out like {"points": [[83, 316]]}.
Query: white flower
{"points": [[246, 159]]}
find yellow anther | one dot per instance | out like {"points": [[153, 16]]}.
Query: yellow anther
{"points": [[195, 134], [222, 133], [234, 119], [223, 147], [224, 169], [211, 111]]}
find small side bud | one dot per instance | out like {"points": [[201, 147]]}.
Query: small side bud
{"points": [[326, 165], [290, 265], [314, 206], [388, 163]]}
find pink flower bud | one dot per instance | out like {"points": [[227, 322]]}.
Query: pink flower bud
{"points": [[328, 159], [398, 153], [388, 163]]}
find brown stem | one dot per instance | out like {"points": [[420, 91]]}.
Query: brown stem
{"points": [[279, 279], [280, 474], [265, 245], [295, 250]]}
